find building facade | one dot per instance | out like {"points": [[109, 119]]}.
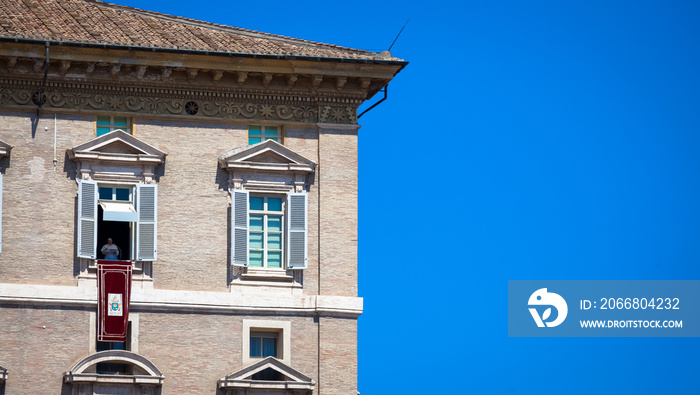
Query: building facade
{"points": [[221, 162]]}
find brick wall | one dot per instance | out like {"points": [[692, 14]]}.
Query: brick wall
{"points": [[36, 357], [338, 349], [192, 349], [39, 204], [338, 184]]}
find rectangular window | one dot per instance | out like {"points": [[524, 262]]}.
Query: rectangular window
{"points": [[266, 229], [269, 231], [115, 193], [115, 215], [107, 123], [260, 133], [266, 338], [263, 344], [124, 213]]}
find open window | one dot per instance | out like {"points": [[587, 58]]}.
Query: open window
{"points": [[125, 214], [117, 197]]}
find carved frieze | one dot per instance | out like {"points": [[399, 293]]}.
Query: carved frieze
{"points": [[157, 101]]}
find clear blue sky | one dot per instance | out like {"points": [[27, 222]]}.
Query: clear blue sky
{"points": [[525, 140]]}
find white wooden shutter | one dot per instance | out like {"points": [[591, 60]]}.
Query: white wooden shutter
{"points": [[239, 228], [147, 227], [87, 219], [297, 228]]}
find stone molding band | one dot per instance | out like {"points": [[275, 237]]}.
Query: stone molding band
{"points": [[251, 106], [196, 301]]}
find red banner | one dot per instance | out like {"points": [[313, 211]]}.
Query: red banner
{"points": [[114, 294]]}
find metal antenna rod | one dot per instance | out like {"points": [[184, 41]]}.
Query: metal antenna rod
{"points": [[397, 36]]}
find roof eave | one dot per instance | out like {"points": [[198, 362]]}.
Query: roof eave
{"points": [[391, 62]]}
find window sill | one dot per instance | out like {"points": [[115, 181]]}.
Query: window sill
{"points": [[136, 267], [266, 275], [141, 273]]}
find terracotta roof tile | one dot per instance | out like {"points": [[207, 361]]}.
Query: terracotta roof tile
{"points": [[96, 22]]}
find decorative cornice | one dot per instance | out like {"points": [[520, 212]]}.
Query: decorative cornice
{"points": [[244, 104]]}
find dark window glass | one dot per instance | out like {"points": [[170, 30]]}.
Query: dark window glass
{"points": [[105, 193], [263, 344], [123, 194], [268, 374], [255, 347]]}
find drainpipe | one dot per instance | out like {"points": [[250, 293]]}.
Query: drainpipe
{"points": [[55, 161], [386, 89], [41, 97]]}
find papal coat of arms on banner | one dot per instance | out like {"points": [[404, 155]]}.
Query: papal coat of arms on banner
{"points": [[114, 305]]}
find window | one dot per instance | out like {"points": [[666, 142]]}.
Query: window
{"points": [[269, 230], [266, 338], [130, 344], [263, 344], [96, 372], [266, 219], [125, 214], [115, 193], [259, 133], [114, 367], [107, 123], [269, 200]]}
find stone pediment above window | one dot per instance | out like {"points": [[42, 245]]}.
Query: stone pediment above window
{"points": [[4, 149], [266, 156], [270, 376], [116, 156], [268, 166]]}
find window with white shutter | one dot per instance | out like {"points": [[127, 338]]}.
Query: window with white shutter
{"points": [[87, 219], [100, 214], [146, 227], [239, 228], [269, 231], [269, 220], [297, 256]]}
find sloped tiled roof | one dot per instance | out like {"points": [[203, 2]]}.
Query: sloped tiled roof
{"points": [[100, 23]]}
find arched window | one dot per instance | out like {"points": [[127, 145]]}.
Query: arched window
{"points": [[138, 373]]}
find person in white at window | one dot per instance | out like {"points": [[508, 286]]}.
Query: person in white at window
{"points": [[110, 251]]}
